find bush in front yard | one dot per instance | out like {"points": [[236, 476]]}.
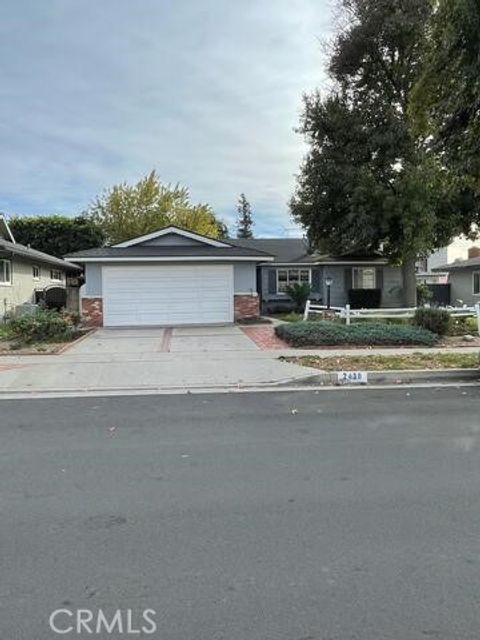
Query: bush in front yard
{"points": [[45, 325], [433, 319], [312, 334]]}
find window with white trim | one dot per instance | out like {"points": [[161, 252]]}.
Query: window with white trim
{"points": [[56, 275], [363, 278], [287, 277], [476, 283], [5, 272], [36, 272]]}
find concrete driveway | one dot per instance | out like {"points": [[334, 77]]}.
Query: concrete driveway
{"points": [[165, 340], [117, 360]]}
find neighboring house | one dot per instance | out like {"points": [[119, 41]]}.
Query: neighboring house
{"points": [[170, 277], [294, 263], [429, 269], [464, 279], [23, 271]]}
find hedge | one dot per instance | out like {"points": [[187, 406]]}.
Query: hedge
{"points": [[311, 334]]}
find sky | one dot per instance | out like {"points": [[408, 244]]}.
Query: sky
{"points": [[207, 92]]}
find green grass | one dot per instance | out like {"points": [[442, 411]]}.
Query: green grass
{"points": [[389, 363]]}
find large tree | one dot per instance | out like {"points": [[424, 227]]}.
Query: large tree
{"points": [[56, 235], [367, 182], [125, 211], [445, 105], [244, 218]]}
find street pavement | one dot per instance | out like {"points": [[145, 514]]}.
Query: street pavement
{"points": [[340, 515]]}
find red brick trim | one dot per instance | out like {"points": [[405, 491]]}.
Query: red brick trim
{"points": [[92, 312], [246, 305]]}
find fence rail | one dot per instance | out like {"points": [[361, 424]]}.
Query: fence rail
{"points": [[348, 314]]}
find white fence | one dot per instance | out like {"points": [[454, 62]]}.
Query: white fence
{"points": [[348, 314]]}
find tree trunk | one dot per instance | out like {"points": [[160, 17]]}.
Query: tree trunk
{"points": [[409, 283]]}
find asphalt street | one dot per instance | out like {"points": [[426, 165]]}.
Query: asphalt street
{"points": [[343, 515]]}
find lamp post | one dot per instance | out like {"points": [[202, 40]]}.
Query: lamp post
{"points": [[328, 282]]}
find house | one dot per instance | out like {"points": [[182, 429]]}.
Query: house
{"points": [[293, 262], [464, 279], [170, 277], [429, 269], [24, 272], [173, 276]]}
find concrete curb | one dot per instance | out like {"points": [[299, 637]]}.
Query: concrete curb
{"points": [[320, 380], [395, 377]]}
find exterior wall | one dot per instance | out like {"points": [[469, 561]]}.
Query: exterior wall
{"points": [[93, 280], [246, 306], [23, 285], [278, 301], [245, 277], [171, 239], [462, 287], [391, 293], [92, 312]]}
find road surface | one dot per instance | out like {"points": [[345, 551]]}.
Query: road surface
{"points": [[289, 516]]}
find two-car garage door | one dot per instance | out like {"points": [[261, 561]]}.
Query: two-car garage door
{"points": [[143, 295]]}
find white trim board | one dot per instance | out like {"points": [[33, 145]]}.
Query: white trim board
{"points": [[174, 259], [175, 230]]}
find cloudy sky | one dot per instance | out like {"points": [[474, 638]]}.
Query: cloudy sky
{"points": [[207, 92]]}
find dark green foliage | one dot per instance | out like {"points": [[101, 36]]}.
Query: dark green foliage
{"points": [[433, 319], [299, 293], [424, 293], [368, 179], [42, 326], [56, 235], [311, 334], [245, 219]]}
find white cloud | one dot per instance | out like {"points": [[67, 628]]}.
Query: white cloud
{"points": [[205, 91]]}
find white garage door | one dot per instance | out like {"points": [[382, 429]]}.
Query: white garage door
{"points": [[167, 295]]}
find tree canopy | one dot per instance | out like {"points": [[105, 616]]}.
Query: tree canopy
{"points": [[125, 211], [369, 181], [445, 105], [245, 219], [56, 235]]}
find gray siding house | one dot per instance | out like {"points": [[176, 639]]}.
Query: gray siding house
{"points": [[464, 279], [170, 277], [292, 262]]}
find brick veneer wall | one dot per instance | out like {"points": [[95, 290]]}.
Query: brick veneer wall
{"points": [[246, 305], [92, 312]]}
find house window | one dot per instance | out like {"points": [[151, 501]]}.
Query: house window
{"points": [[36, 272], [287, 277], [476, 283], [56, 275], [5, 272], [363, 278]]}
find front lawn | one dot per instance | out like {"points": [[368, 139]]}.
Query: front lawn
{"points": [[389, 363]]}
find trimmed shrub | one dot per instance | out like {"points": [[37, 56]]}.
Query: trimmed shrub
{"points": [[312, 334], [433, 319], [45, 325]]}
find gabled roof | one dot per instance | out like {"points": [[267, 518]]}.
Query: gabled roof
{"points": [[20, 250], [175, 230]]}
